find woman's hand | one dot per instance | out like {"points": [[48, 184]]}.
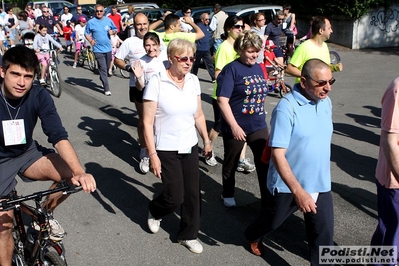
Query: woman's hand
{"points": [[207, 149], [238, 133], [155, 165], [138, 69]]}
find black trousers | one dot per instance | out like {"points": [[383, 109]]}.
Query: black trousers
{"points": [[319, 226], [181, 188], [232, 150]]}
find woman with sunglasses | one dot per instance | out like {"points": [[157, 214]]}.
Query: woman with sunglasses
{"points": [[241, 96], [257, 23], [172, 113], [225, 54], [11, 23]]}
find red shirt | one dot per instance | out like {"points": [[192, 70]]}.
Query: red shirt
{"points": [[271, 56], [117, 18], [67, 32]]}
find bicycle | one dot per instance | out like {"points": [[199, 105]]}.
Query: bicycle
{"points": [[34, 247], [276, 82], [52, 77], [334, 58], [86, 54]]}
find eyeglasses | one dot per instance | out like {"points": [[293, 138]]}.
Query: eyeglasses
{"points": [[239, 26], [207, 19], [322, 83], [280, 19], [44, 11], [260, 19], [184, 59], [99, 11]]}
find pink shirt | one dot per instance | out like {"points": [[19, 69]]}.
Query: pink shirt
{"points": [[389, 123]]}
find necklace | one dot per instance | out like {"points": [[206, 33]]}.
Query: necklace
{"points": [[175, 80], [8, 104]]}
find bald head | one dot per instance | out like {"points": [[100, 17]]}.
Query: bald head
{"points": [[311, 65], [141, 25]]}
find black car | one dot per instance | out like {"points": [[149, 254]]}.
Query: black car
{"points": [[87, 9]]}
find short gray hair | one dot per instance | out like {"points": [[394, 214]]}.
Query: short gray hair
{"points": [[247, 39]]}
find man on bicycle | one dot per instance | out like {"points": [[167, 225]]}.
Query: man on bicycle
{"points": [[22, 103], [315, 47]]}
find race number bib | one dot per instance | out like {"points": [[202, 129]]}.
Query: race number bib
{"points": [[14, 132]]}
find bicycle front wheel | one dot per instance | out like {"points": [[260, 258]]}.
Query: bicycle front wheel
{"points": [[52, 258], [285, 89], [124, 73], [55, 81], [91, 61]]}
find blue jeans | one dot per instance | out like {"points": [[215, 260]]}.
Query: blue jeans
{"points": [[103, 62], [216, 44]]}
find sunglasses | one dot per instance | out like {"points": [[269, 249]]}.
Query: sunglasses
{"points": [[44, 11], [239, 26], [99, 11], [322, 83], [184, 59]]}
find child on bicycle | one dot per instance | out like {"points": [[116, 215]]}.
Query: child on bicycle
{"points": [[68, 29], [115, 42], [41, 45], [79, 38], [270, 61]]}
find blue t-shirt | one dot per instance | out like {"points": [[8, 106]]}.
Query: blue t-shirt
{"points": [[204, 44], [245, 86], [273, 32], [304, 128], [98, 28]]}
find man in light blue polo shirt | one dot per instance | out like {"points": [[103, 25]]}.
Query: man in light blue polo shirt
{"points": [[98, 31], [299, 172]]}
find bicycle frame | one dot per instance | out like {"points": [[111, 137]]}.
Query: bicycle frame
{"points": [[36, 247]]}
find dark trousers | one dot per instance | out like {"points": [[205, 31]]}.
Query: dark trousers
{"points": [[103, 62], [387, 231], [319, 226], [207, 58], [181, 188], [232, 149]]}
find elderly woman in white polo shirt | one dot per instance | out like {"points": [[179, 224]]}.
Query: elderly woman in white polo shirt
{"points": [[171, 114]]}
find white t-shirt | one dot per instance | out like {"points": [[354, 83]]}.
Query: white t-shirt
{"points": [[65, 18], [174, 124], [153, 65], [133, 49], [184, 26], [80, 32]]}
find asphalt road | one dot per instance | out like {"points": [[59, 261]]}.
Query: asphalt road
{"points": [[109, 227]]}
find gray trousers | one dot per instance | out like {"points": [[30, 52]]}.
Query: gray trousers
{"points": [[103, 63]]}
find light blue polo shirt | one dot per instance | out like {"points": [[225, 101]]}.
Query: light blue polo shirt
{"points": [[98, 28], [305, 130]]}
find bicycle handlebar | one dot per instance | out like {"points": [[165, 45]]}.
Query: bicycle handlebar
{"points": [[62, 186]]}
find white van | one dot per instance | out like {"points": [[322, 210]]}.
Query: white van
{"points": [[244, 11]]}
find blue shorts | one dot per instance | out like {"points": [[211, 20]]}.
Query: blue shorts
{"points": [[278, 52], [10, 167]]}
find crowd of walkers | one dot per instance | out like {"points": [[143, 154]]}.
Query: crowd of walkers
{"points": [[166, 91]]}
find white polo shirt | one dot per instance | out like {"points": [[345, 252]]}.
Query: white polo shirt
{"points": [[174, 125]]}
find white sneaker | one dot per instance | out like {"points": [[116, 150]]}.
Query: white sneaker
{"points": [[110, 72], [42, 81], [108, 93], [192, 245], [153, 224], [229, 202], [56, 231], [245, 166], [144, 165], [211, 160], [74, 65]]}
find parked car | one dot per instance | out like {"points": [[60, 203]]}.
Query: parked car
{"points": [[246, 10], [53, 5], [154, 14], [197, 11], [137, 6], [87, 9]]}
